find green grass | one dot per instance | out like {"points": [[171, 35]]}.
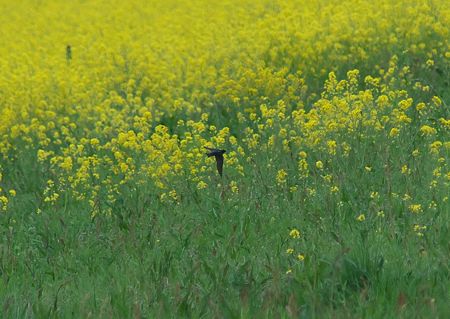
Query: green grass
{"points": [[217, 255]]}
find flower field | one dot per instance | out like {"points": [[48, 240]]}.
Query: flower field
{"points": [[334, 199]]}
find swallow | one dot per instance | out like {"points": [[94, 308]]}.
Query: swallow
{"points": [[218, 154]]}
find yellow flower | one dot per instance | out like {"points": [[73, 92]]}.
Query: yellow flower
{"points": [[67, 164], [405, 170], [42, 155], [437, 101], [319, 164], [301, 257], [374, 195], [123, 167], [234, 187], [303, 167], [394, 132], [294, 233], [201, 185], [437, 172], [332, 145], [94, 141], [12, 192], [52, 198], [302, 154], [415, 208], [173, 194], [444, 122], [417, 227], [420, 106], [435, 147], [288, 271], [427, 130], [4, 202], [311, 191], [361, 218], [281, 177], [289, 251]]}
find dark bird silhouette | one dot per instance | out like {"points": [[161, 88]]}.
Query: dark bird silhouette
{"points": [[68, 53], [218, 154]]}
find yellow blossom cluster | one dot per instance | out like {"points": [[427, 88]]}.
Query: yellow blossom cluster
{"points": [[105, 104], [294, 235]]}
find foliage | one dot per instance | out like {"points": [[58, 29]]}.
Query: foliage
{"points": [[334, 200]]}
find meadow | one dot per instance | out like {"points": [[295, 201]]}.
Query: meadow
{"points": [[334, 199]]}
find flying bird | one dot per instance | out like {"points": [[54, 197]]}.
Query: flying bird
{"points": [[218, 154]]}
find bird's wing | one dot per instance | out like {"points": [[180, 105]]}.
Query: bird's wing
{"points": [[211, 151], [219, 160]]}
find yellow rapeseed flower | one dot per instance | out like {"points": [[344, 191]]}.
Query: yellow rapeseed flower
{"points": [[4, 202], [394, 132], [319, 164], [294, 233], [201, 185], [281, 177], [415, 208], [405, 170], [427, 130]]}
